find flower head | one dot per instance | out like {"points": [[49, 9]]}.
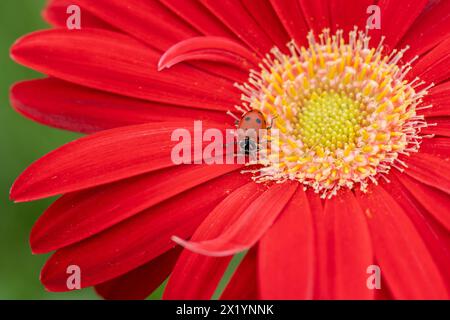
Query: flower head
{"points": [[360, 183], [344, 110]]}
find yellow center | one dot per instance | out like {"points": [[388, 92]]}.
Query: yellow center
{"points": [[343, 110], [328, 120]]}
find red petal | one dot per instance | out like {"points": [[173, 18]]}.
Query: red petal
{"points": [[439, 97], [317, 14], [430, 170], [345, 14], [77, 216], [56, 14], [267, 19], [209, 48], [436, 238], [433, 67], [405, 262], [63, 105], [116, 63], [234, 15], [199, 17], [286, 253], [430, 29], [349, 247], [139, 239], [141, 282], [291, 16], [244, 285], [394, 22], [250, 226], [435, 201], [207, 271], [439, 126], [149, 21], [97, 159], [383, 293], [321, 279], [439, 147]]}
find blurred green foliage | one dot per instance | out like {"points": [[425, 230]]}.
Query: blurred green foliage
{"points": [[21, 142]]}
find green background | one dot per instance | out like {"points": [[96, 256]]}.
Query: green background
{"points": [[23, 141]]}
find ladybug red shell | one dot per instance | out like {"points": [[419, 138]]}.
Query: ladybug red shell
{"points": [[249, 125], [253, 119]]}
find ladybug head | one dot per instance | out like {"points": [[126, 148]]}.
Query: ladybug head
{"points": [[253, 119]]}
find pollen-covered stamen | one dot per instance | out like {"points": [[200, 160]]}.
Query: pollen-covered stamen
{"points": [[343, 109], [328, 120]]}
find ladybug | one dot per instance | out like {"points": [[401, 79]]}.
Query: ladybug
{"points": [[250, 123]]}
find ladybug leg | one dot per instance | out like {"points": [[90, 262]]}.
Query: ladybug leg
{"points": [[236, 119], [248, 147], [251, 148], [271, 123], [242, 144]]}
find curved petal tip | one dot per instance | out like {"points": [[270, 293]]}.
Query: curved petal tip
{"points": [[210, 248], [216, 49]]}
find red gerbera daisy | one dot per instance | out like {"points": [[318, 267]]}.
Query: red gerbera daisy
{"points": [[362, 176]]}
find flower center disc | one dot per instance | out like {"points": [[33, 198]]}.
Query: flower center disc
{"points": [[344, 112], [329, 120]]}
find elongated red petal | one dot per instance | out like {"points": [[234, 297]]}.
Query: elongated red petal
{"points": [[291, 16], [349, 247], [434, 235], [141, 282], [439, 147], [193, 12], [383, 293], [433, 67], [267, 19], [345, 14], [207, 271], [434, 200], [430, 28], [286, 253], [322, 281], [244, 283], [63, 105], [149, 21], [119, 64], [430, 170], [233, 14], [439, 126], [317, 14], [100, 158], [77, 216], [249, 228], [404, 259], [139, 239], [55, 13], [439, 97], [211, 49], [155, 24], [394, 22]]}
